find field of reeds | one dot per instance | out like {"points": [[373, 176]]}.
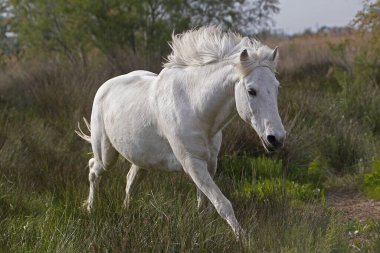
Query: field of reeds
{"points": [[329, 103]]}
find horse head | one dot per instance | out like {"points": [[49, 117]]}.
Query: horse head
{"points": [[256, 95]]}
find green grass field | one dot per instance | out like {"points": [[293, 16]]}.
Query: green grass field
{"points": [[162, 218], [333, 121]]}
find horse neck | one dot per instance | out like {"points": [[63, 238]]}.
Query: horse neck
{"points": [[214, 94]]}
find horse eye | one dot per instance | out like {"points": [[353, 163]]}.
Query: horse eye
{"points": [[252, 92]]}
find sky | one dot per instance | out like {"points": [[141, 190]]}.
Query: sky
{"points": [[297, 15]]}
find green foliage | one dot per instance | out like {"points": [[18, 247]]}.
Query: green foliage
{"points": [[277, 190], [77, 27], [360, 81], [343, 150], [368, 19], [245, 16], [262, 179], [9, 46], [360, 89], [371, 181], [318, 127], [315, 174], [251, 168]]}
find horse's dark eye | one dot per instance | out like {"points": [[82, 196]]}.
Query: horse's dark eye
{"points": [[252, 92]]}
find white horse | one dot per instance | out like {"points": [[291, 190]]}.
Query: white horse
{"points": [[174, 120]]}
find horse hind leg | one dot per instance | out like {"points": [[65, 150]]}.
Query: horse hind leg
{"points": [[97, 166], [96, 169], [134, 177]]}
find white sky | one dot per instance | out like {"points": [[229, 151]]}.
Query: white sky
{"points": [[297, 15]]}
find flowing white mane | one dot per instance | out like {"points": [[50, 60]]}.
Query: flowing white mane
{"points": [[210, 44]]}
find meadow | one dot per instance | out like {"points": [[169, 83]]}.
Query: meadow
{"points": [[330, 106]]}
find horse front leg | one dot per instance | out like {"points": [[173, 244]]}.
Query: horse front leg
{"points": [[203, 203], [197, 170], [212, 164]]}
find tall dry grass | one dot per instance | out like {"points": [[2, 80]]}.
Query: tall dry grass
{"points": [[315, 53]]}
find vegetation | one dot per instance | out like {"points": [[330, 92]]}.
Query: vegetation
{"points": [[371, 182], [328, 101], [75, 28]]}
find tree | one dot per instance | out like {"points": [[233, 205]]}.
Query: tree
{"points": [[47, 26], [245, 16], [74, 27], [367, 64], [9, 46], [368, 19]]}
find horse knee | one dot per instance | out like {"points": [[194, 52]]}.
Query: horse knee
{"points": [[212, 165], [96, 169], [225, 209]]}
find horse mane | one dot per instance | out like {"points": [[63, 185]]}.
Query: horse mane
{"points": [[205, 45]]}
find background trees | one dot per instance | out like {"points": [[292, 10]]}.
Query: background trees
{"points": [[75, 28]]}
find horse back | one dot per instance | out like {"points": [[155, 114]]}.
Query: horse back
{"points": [[132, 78]]}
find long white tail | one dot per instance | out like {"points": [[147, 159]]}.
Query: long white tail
{"points": [[80, 133]]}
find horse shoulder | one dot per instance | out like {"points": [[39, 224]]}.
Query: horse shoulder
{"points": [[172, 102]]}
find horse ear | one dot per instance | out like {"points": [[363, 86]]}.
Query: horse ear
{"points": [[244, 55], [274, 54]]}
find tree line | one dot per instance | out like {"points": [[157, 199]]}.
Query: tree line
{"points": [[75, 28]]}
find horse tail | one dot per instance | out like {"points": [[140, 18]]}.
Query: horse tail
{"points": [[80, 133]]}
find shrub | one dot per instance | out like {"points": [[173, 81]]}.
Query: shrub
{"points": [[315, 174], [277, 190], [251, 168], [371, 181], [263, 179]]}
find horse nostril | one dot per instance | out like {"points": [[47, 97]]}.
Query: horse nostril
{"points": [[272, 140]]}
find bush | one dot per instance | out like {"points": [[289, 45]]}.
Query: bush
{"points": [[371, 181], [264, 180], [315, 174], [278, 190], [251, 168]]}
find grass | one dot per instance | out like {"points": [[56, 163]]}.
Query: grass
{"points": [[162, 217], [43, 174]]}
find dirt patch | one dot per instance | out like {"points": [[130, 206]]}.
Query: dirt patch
{"points": [[356, 207], [353, 204]]}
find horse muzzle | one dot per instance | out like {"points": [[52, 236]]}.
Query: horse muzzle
{"points": [[272, 142]]}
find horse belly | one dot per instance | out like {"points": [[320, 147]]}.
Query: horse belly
{"points": [[147, 150], [129, 125]]}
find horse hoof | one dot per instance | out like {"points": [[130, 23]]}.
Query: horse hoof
{"points": [[241, 235], [86, 206]]}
